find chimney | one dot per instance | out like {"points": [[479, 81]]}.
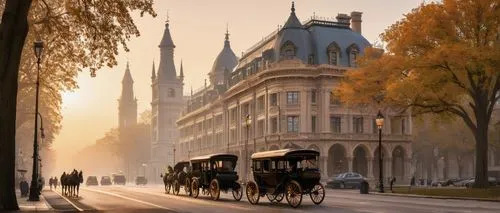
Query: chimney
{"points": [[343, 18], [356, 21]]}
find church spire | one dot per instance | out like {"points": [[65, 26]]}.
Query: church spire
{"points": [[166, 69], [153, 72], [181, 72], [127, 77]]}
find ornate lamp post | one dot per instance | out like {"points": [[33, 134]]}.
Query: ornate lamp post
{"points": [[38, 47], [380, 123], [247, 122]]}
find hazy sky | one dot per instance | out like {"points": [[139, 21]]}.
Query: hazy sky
{"points": [[197, 28]]}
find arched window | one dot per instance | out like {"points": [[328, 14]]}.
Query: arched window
{"points": [[288, 50], [171, 92], [353, 52], [333, 52]]}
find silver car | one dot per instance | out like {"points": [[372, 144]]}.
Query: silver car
{"points": [[345, 180]]}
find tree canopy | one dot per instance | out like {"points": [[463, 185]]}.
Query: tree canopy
{"points": [[443, 57]]}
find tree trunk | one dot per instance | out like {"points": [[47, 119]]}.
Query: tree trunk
{"points": [[13, 31], [481, 137]]}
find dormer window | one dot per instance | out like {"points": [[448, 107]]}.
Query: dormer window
{"points": [[333, 52], [353, 52], [288, 50]]}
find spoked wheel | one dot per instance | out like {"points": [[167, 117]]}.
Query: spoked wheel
{"points": [[317, 194], [214, 189], [294, 194], [252, 191], [187, 187], [271, 197], [237, 192], [176, 188], [195, 190], [279, 197]]}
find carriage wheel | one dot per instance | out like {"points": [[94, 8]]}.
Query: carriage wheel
{"points": [[317, 194], [195, 190], [187, 187], [214, 189], [237, 192], [293, 194], [176, 188], [271, 197], [279, 197], [252, 191]]}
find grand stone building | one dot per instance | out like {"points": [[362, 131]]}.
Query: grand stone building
{"points": [[166, 105], [279, 95]]}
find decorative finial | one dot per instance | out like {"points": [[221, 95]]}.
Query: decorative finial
{"points": [[153, 72], [227, 31], [182, 71], [293, 7], [128, 68], [168, 19]]}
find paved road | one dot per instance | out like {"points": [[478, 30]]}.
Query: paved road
{"points": [[153, 199]]}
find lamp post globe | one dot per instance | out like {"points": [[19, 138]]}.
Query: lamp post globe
{"points": [[34, 188], [380, 123]]}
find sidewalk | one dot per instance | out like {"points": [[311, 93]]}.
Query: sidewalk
{"points": [[432, 196], [32, 206]]}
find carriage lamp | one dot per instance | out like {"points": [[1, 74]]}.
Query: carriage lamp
{"points": [[38, 47], [380, 123]]}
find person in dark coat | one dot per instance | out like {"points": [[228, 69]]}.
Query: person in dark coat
{"points": [[55, 183], [393, 180], [51, 181]]}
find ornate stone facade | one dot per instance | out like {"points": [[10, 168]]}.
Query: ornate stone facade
{"points": [[280, 96]]}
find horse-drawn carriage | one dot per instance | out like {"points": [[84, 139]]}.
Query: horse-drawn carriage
{"points": [[213, 173], [288, 173], [181, 178]]}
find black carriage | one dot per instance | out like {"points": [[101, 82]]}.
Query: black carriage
{"points": [[182, 177], [213, 173], [288, 173]]}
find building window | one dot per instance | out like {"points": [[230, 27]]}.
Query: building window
{"points": [[333, 52], [313, 96], [245, 111], [353, 52], [335, 124], [171, 93], [260, 104], [274, 99], [334, 99], [311, 59], [288, 50], [274, 125], [292, 97], [293, 123], [260, 128], [233, 115], [357, 124], [313, 124]]}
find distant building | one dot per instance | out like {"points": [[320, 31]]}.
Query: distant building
{"points": [[284, 84], [166, 105]]}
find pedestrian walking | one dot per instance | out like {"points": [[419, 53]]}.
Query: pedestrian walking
{"points": [[51, 181], [393, 180], [56, 182]]}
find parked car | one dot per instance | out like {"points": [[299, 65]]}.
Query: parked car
{"points": [[345, 180], [119, 179], [141, 180], [105, 181], [491, 180], [91, 181], [462, 182]]}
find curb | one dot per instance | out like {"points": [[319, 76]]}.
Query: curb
{"points": [[435, 197]]}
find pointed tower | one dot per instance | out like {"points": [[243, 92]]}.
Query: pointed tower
{"points": [[127, 104], [166, 105]]}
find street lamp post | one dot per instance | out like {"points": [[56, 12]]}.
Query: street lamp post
{"points": [[247, 122], [380, 123], [174, 155], [34, 196]]}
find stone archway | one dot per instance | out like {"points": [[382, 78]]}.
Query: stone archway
{"points": [[292, 146], [398, 163], [274, 147], [360, 160], [376, 168], [337, 160]]}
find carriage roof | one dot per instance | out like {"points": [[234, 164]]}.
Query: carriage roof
{"points": [[284, 153], [214, 156], [180, 165]]}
